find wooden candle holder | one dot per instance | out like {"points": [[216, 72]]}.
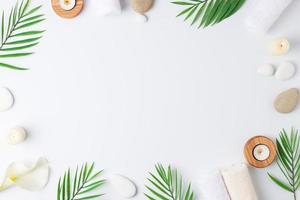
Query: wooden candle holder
{"points": [[67, 13], [252, 143]]}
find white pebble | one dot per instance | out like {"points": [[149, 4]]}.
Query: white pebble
{"points": [[141, 18], [6, 99], [285, 71], [123, 186], [266, 70], [17, 135]]}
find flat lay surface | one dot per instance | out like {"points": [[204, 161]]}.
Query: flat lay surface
{"points": [[128, 95]]}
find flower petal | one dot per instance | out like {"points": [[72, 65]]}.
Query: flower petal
{"points": [[14, 170], [37, 178], [27, 176]]}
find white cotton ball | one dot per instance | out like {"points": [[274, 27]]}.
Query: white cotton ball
{"points": [[17, 135]]}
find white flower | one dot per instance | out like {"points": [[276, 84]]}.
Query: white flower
{"points": [[27, 176]]}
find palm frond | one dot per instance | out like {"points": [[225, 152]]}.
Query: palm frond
{"points": [[82, 185], [17, 33], [167, 184], [288, 161], [208, 12]]}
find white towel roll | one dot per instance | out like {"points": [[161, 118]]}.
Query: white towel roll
{"points": [[238, 182], [265, 13], [212, 187], [106, 7]]}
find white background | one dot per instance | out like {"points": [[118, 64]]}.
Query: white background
{"points": [[129, 95]]}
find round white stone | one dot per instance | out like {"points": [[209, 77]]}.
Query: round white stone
{"points": [[141, 18], [123, 186], [285, 71], [17, 135], [266, 70], [6, 99], [67, 4]]}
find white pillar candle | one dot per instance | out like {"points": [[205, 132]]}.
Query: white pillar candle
{"points": [[238, 182], [261, 152], [279, 46]]}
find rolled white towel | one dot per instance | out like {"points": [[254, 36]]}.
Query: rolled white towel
{"points": [[265, 13], [238, 182], [105, 7], [212, 187]]}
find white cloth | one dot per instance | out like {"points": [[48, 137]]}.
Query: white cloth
{"points": [[238, 182], [105, 7], [212, 187], [265, 13]]}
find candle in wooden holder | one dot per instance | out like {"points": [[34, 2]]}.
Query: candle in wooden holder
{"points": [[260, 151], [67, 8]]}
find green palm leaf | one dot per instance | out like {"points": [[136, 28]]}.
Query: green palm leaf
{"points": [[81, 185], [17, 32], [288, 161], [208, 12], [167, 184]]}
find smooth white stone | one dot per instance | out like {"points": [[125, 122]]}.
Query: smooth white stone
{"points": [[17, 135], [67, 4], [6, 99], [266, 70], [141, 18], [285, 71], [123, 186]]}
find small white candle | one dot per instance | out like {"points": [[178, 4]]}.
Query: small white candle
{"points": [[280, 46], [67, 4], [261, 152], [17, 135]]}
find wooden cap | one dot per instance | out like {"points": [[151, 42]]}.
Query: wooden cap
{"points": [[252, 143], [67, 13]]}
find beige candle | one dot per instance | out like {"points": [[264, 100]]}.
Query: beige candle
{"points": [[279, 46]]}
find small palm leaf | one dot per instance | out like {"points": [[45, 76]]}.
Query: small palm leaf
{"points": [[17, 34], [81, 186], [208, 12], [167, 184], [288, 161]]}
